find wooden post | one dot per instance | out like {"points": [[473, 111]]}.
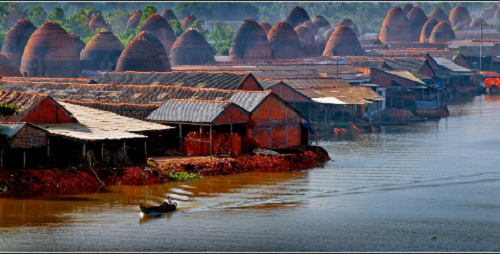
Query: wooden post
{"points": [[325, 113], [102, 151], [180, 136], [146, 148], [211, 143], [379, 109], [1, 158], [24, 159], [83, 150]]}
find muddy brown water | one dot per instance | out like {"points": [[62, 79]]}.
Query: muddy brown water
{"points": [[430, 186]]}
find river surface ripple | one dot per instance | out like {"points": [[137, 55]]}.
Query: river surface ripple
{"points": [[431, 186]]}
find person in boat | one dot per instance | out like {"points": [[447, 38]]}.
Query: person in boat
{"points": [[168, 202]]}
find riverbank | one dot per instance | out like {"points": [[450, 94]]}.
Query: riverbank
{"points": [[64, 181]]}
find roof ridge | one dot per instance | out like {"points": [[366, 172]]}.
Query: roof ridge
{"points": [[111, 103], [29, 94], [195, 100]]}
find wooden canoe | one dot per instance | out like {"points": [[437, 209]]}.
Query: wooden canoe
{"points": [[158, 209]]}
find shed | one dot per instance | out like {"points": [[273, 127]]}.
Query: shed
{"points": [[21, 136]]}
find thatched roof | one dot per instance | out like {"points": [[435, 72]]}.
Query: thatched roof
{"points": [[439, 15], [297, 16], [160, 28], [396, 27], [427, 29], [320, 22], [139, 56], [7, 67], [349, 23], [442, 32], [134, 20], [407, 8], [250, 42], [191, 48], [477, 22], [459, 14], [343, 42], [168, 15], [417, 19], [51, 46], [79, 44], [98, 22], [188, 21], [16, 40], [158, 47], [487, 14], [265, 26], [102, 52], [285, 43]]}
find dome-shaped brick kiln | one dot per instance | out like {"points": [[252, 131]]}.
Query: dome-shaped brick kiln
{"points": [[265, 26], [417, 19], [16, 39], [396, 27], [285, 43], [407, 8], [135, 19], [328, 33], [160, 28], [50, 52], [158, 47], [307, 41], [98, 22], [349, 23], [79, 44], [168, 15], [477, 22], [496, 17], [493, 7], [442, 32], [7, 67], [139, 56], [188, 21], [297, 16], [343, 42], [459, 14], [191, 48], [439, 15], [250, 42], [427, 29], [102, 52], [487, 14], [320, 22]]}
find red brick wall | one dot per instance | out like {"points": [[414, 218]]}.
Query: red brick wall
{"points": [[250, 84], [277, 121], [385, 79], [288, 94], [48, 113], [233, 114], [427, 70]]}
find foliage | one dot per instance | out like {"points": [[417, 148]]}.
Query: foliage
{"points": [[458, 54], [118, 19], [183, 176], [79, 24], [176, 26], [146, 13], [8, 110], [217, 10], [415, 74], [151, 163], [16, 12], [57, 15], [127, 36], [222, 47], [37, 15], [2, 36]]}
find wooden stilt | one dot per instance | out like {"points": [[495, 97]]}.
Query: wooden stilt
{"points": [[180, 136], [211, 143], [145, 148], [24, 159]]}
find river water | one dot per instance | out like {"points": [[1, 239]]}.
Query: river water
{"points": [[431, 186]]}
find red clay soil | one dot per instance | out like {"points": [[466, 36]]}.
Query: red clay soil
{"points": [[16, 40], [158, 47], [249, 43], [343, 42], [160, 28], [442, 32], [265, 26], [396, 27], [134, 20], [439, 15], [427, 29], [168, 15], [349, 23], [53, 47], [297, 16], [458, 15], [417, 20], [64, 181], [188, 21], [285, 43], [191, 48]]}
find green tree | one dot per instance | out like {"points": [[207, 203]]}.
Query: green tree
{"points": [[146, 13], [57, 15], [127, 36], [176, 26], [16, 12], [118, 19], [37, 15]]}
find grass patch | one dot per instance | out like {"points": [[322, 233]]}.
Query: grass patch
{"points": [[151, 163], [3, 189], [182, 176]]}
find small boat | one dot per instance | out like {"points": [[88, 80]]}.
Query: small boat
{"points": [[164, 208]]}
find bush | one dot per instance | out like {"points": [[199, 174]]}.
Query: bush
{"points": [[183, 176]]}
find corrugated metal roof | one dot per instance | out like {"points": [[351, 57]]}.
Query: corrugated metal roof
{"points": [[10, 129], [189, 111], [406, 75], [315, 82], [406, 64], [443, 62], [342, 95], [248, 101]]}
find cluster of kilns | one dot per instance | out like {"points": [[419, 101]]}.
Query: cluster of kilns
{"points": [[410, 24]]}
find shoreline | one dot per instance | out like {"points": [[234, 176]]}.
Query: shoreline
{"points": [[20, 182]]}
